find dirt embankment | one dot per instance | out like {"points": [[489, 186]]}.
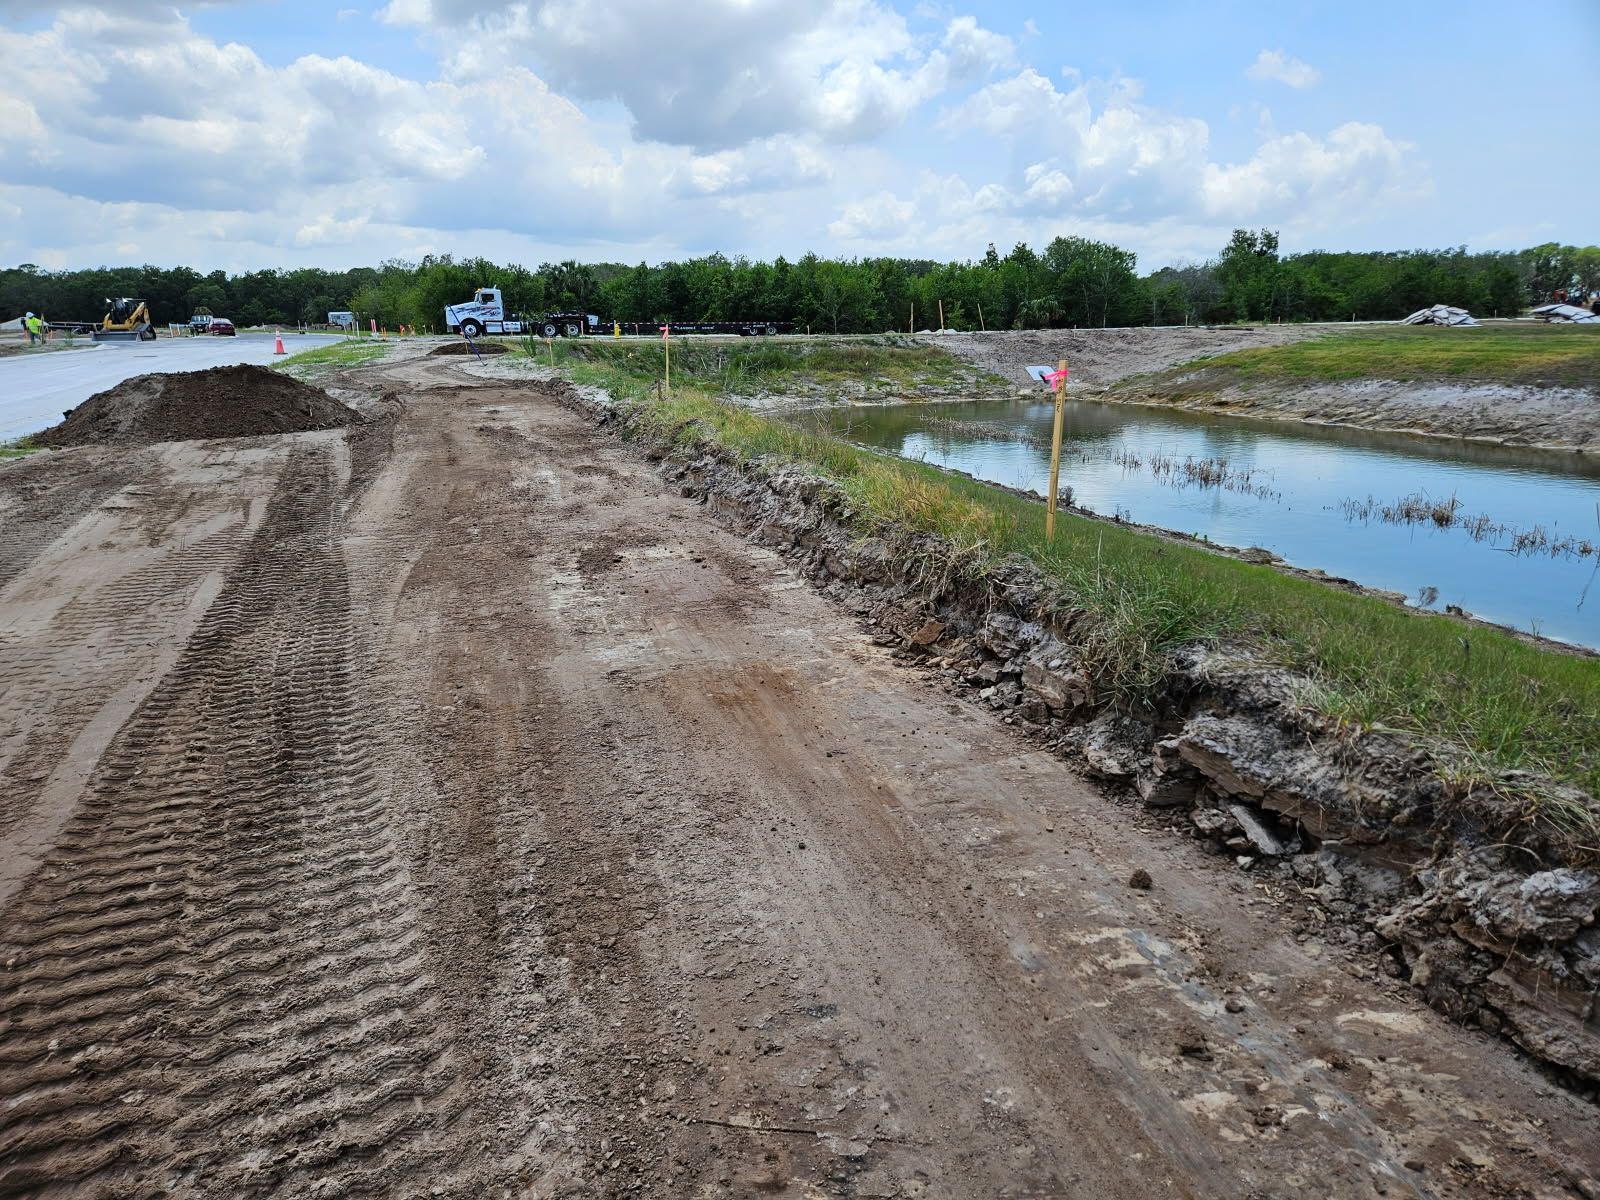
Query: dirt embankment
{"points": [[1099, 358], [1493, 915], [239, 401], [1143, 366], [1554, 418]]}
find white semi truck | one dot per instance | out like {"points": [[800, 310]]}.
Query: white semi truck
{"points": [[484, 313]]}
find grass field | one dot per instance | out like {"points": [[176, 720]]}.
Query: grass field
{"points": [[889, 365], [1505, 702], [350, 353], [1546, 355]]}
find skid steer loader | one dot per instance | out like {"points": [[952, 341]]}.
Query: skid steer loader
{"points": [[126, 318]]}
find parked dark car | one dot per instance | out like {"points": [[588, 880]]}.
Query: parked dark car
{"points": [[223, 327]]}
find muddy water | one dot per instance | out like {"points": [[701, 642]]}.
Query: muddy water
{"points": [[1291, 490]]}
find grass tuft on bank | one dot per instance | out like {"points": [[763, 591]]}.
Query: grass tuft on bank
{"points": [[18, 448], [1534, 355], [1510, 704]]}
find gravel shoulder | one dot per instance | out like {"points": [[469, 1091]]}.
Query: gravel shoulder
{"points": [[444, 805]]}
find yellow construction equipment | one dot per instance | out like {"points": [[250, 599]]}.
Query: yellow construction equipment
{"points": [[126, 318]]}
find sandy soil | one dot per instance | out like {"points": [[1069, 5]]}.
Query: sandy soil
{"points": [[442, 807]]}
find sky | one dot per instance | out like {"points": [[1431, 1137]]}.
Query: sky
{"points": [[245, 134]]}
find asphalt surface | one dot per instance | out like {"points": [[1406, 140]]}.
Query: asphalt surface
{"points": [[35, 389]]}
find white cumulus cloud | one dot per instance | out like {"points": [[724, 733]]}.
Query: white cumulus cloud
{"points": [[1274, 66], [844, 69]]}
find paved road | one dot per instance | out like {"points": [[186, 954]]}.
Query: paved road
{"points": [[35, 389]]}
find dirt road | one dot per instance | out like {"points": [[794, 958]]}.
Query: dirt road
{"points": [[443, 807]]}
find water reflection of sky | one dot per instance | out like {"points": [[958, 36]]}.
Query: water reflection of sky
{"points": [[1311, 470]]}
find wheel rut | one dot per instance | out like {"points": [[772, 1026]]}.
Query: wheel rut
{"points": [[213, 983]]}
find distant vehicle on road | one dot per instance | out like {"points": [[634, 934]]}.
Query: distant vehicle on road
{"points": [[200, 323], [222, 327]]}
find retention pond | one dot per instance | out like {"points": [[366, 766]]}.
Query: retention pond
{"points": [[1506, 534]]}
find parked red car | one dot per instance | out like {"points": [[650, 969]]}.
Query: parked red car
{"points": [[223, 327]]}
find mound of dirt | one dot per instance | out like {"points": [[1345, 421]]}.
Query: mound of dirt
{"points": [[462, 348], [219, 402]]}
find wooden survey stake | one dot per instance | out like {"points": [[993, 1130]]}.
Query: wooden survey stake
{"points": [[666, 356], [1055, 451]]}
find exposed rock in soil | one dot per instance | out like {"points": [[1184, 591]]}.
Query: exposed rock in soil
{"points": [[221, 402]]}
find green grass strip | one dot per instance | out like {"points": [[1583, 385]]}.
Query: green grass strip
{"points": [[1546, 355], [349, 353], [885, 364]]}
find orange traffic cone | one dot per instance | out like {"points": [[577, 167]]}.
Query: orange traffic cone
{"points": [[278, 348]]}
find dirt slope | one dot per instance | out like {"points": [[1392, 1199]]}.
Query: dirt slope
{"points": [[1098, 358], [442, 807]]}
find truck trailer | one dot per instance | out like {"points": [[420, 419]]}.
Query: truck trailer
{"points": [[485, 313]]}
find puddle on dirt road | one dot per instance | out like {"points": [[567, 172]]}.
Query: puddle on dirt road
{"points": [[1521, 547]]}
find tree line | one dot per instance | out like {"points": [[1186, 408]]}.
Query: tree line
{"points": [[1074, 281]]}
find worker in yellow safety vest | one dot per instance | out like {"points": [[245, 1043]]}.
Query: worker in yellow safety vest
{"points": [[35, 329]]}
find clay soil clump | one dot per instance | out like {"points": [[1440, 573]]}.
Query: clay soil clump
{"points": [[220, 402], [462, 347]]}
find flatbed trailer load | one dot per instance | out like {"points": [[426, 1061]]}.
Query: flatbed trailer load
{"points": [[576, 324]]}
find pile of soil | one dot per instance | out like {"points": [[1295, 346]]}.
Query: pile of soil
{"points": [[461, 347], [219, 402]]}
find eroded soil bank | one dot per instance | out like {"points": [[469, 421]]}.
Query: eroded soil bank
{"points": [[1550, 418], [1486, 907], [1112, 365], [443, 806]]}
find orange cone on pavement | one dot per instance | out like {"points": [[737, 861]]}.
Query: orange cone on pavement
{"points": [[278, 348]]}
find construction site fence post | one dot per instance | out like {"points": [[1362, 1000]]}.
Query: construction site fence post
{"points": [[1055, 451]]}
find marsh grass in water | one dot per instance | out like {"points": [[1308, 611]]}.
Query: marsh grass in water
{"points": [[1420, 509], [1510, 703]]}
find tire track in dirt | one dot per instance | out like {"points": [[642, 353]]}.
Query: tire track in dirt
{"points": [[214, 983], [39, 502]]}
